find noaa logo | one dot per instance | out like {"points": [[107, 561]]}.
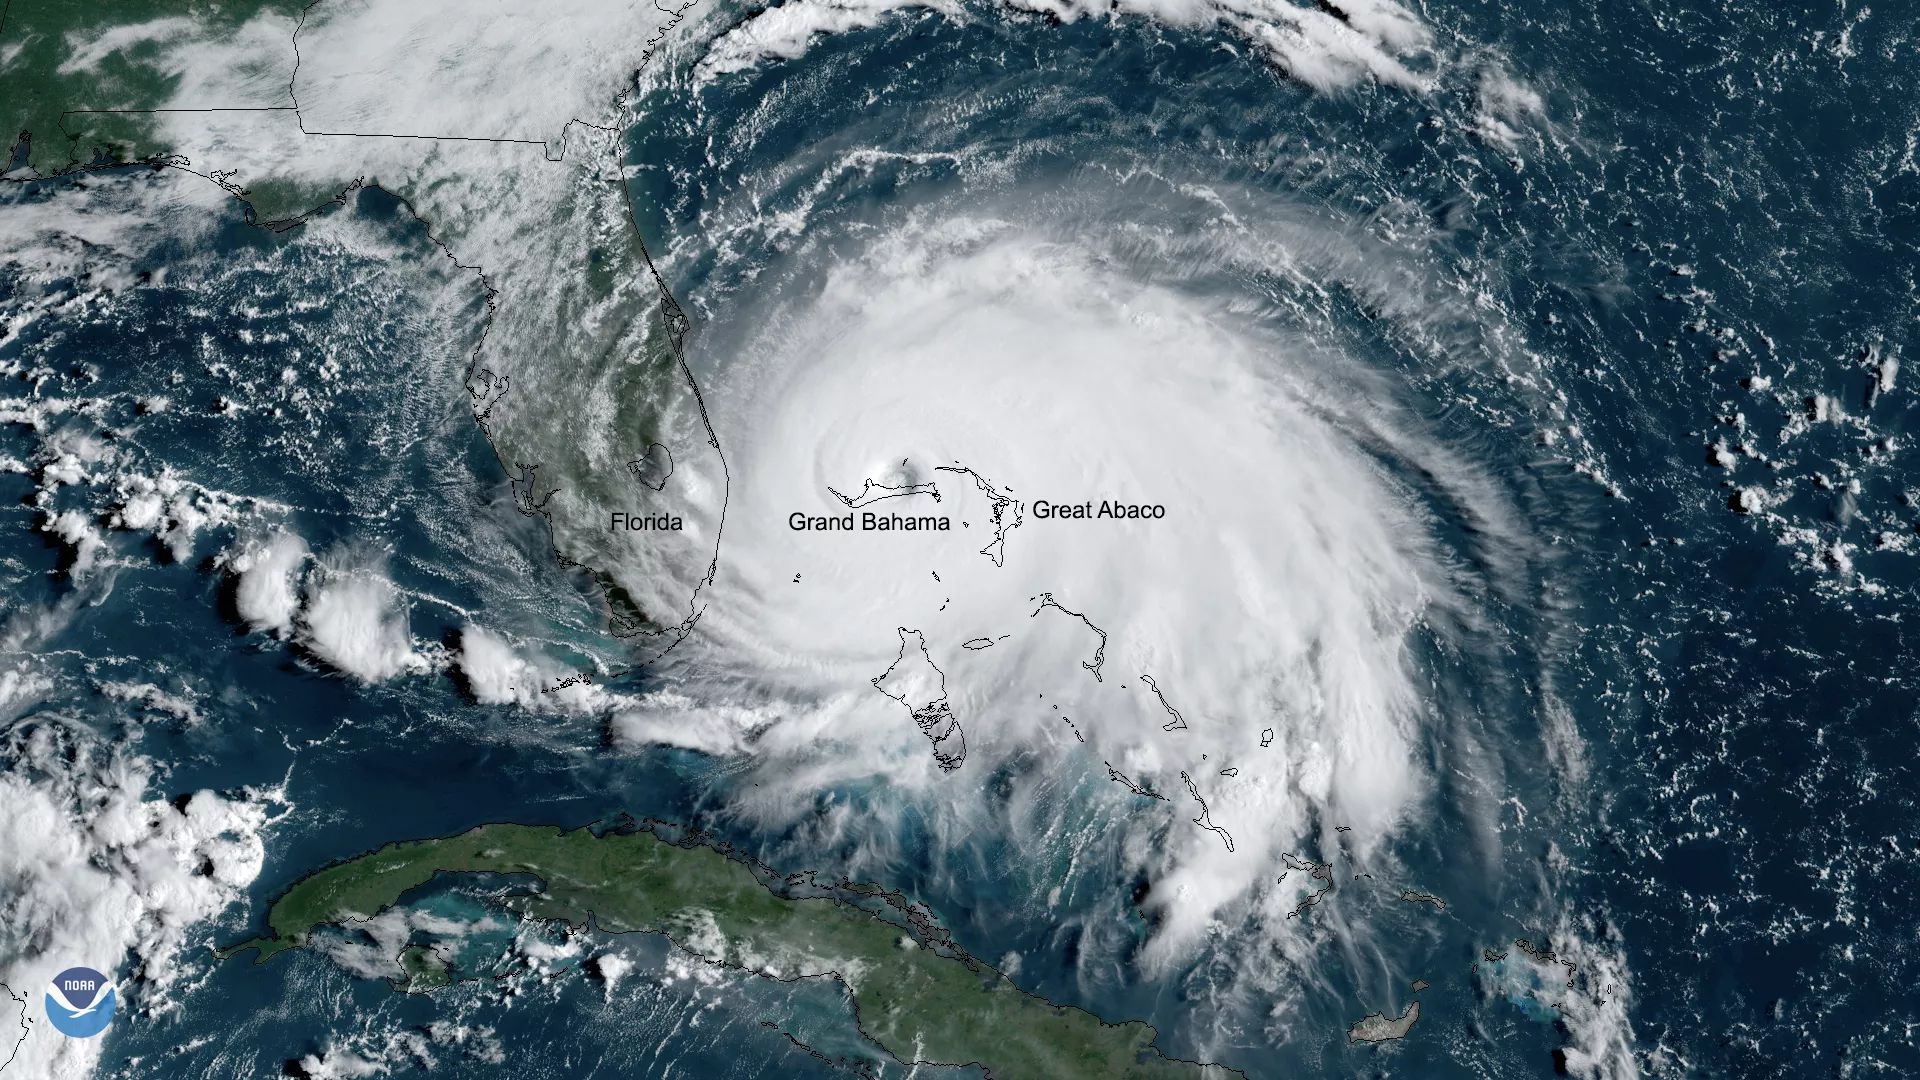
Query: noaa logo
{"points": [[80, 1002]]}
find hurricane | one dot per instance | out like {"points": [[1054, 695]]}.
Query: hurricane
{"points": [[957, 538], [1117, 453]]}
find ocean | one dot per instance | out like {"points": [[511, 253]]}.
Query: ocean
{"points": [[1524, 388]]}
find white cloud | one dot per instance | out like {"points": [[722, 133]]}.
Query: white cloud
{"points": [[75, 529], [154, 698], [495, 671], [120, 492], [611, 967], [1507, 107], [501, 672], [671, 718], [1326, 49], [267, 594], [356, 621], [1274, 594], [376, 955], [87, 52], [340, 1063], [365, 1053], [170, 508], [97, 870]]}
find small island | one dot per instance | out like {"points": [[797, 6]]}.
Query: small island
{"points": [[915, 681], [1412, 896], [918, 995], [1379, 1027]]}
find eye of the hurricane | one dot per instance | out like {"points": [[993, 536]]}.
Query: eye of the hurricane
{"points": [[994, 499]]}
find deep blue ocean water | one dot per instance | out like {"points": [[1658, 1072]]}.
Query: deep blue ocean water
{"points": [[1715, 196]]}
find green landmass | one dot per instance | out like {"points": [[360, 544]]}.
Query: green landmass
{"points": [[73, 112], [922, 999], [423, 971], [80, 79]]}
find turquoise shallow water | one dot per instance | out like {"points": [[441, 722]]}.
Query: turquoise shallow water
{"points": [[1699, 244]]}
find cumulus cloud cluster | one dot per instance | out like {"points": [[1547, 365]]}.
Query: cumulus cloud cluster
{"points": [[1326, 46], [356, 621], [340, 606], [382, 1051], [97, 869], [268, 570], [115, 492], [501, 671]]}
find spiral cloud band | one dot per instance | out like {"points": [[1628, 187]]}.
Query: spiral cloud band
{"points": [[994, 499]]}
